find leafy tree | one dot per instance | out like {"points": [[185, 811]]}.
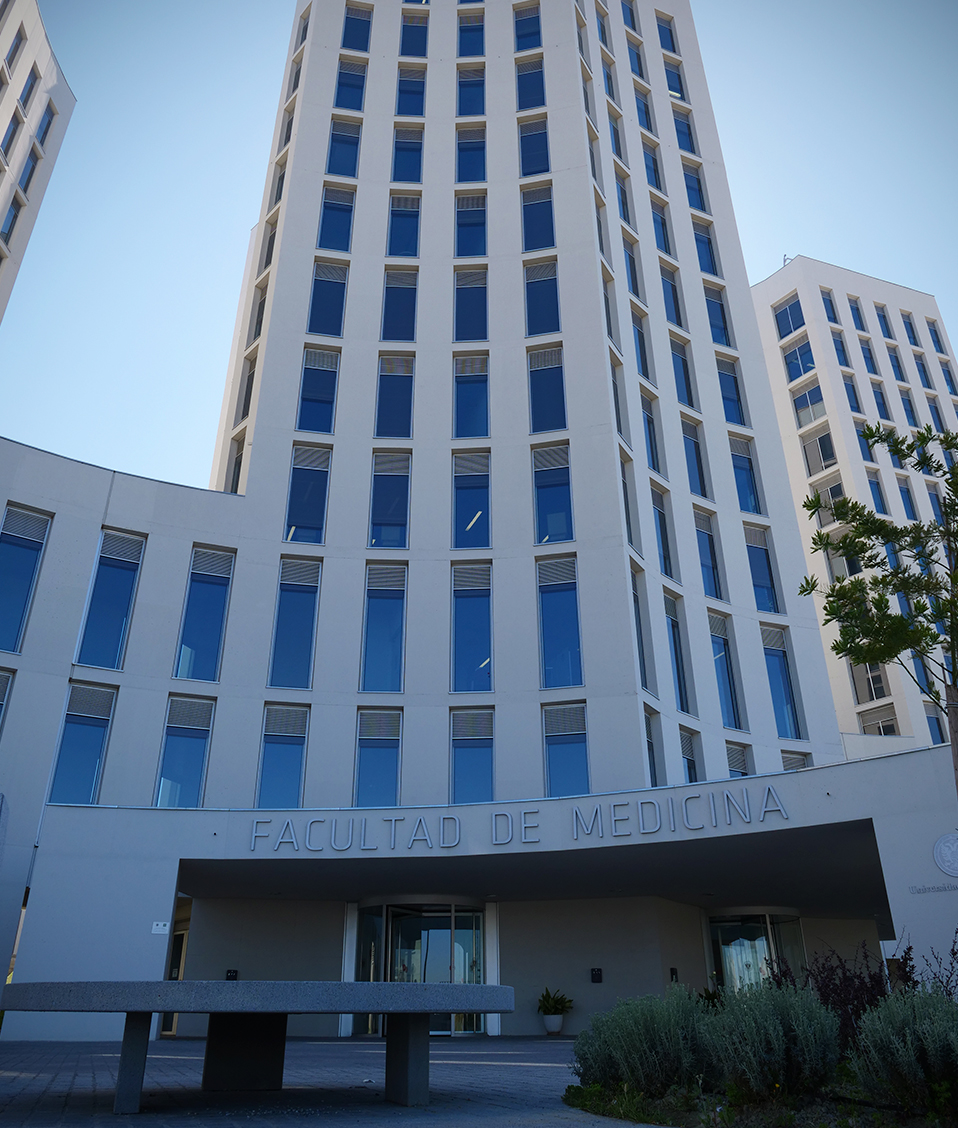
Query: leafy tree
{"points": [[900, 598]]}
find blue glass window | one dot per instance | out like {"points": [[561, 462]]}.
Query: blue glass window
{"points": [[718, 319], [673, 77], [857, 319], [677, 655], [336, 221], [670, 293], [546, 391], [935, 729], [385, 622], [780, 684], [638, 340], [471, 39], [651, 437], [281, 769], [470, 155], [292, 659], [471, 501], [661, 228], [683, 375], [471, 397], [415, 34], [631, 268], [936, 338], [799, 360], [538, 226], [530, 85], [567, 764], [616, 137], [935, 501], [852, 394], [411, 92], [744, 472], [318, 392], [403, 226], [306, 510], [10, 135], [909, 409], [542, 299], [628, 14], [328, 299], [809, 405], [111, 601], [639, 632], [472, 628], [884, 323], [29, 168], [878, 496], [553, 490], [869, 356], [407, 156], [608, 80], [204, 620], [470, 225], [936, 416], [471, 313], [880, 402], [642, 103], [705, 249], [724, 673], [82, 745], [389, 509], [693, 459], [949, 379], [840, 352], [10, 221], [350, 86], [528, 28], [377, 771], [760, 567], [731, 393], [711, 576], [652, 167], [666, 35], [559, 623], [22, 537], [866, 450], [830, 312], [907, 501], [46, 121], [662, 532], [923, 371], [343, 158], [622, 195], [896, 367], [533, 148], [471, 92], [683, 131], [399, 305], [356, 28], [789, 317], [472, 756], [184, 752]]}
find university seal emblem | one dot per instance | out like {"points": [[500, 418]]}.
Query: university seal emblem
{"points": [[946, 854]]}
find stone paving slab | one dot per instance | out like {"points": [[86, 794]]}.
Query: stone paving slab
{"points": [[474, 1081]]}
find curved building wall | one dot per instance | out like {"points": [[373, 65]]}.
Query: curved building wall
{"points": [[35, 108]]}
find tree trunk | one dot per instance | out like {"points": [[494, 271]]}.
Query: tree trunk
{"points": [[951, 699]]}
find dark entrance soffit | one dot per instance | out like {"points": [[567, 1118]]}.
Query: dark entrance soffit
{"points": [[830, 870]]}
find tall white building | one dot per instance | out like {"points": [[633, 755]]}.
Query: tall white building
{"points": [[844, 351], [482, 657], [35, 108]]}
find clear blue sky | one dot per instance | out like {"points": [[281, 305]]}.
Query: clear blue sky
{"points": [[837, 119]]}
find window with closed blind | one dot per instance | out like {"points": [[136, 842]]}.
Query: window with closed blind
{"points": [[473, 760], [377, 757], [283, 757], [76, 777], [204, 617], [22, 537], [567, 759], [472, 628], [111, 601], [189, 721], [292, 658], [559, 622]]}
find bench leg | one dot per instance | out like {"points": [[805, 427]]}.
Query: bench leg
{"points": [[129, 1078], [245, 1051], [407, 1059]]}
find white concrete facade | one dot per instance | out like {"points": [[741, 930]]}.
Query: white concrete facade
{"points": [[35, 108], [286, 890], [854, 366]]}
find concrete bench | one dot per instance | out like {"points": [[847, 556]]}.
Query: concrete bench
{"points": [[246, 1043]]}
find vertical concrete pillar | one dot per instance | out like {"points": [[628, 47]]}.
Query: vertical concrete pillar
{"points": [[129, 1076], [407, 1059]]}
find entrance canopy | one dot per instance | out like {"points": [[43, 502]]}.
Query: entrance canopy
{"points": [[828, 870]]}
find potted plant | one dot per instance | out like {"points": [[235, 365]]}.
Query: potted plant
{"points": [[553, 1006]]}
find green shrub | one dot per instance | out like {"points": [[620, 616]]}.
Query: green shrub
{"points": [[767, 1042], [648, 1044], [907, 1051]]}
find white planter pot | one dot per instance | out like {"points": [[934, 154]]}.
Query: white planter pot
{"points": [[553, 1023]]}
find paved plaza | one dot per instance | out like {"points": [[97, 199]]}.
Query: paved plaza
{"points": [[487, 1081]]}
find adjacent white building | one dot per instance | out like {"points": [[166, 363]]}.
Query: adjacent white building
{"points": [[844, 351], [35, 108], [482, 655]]}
